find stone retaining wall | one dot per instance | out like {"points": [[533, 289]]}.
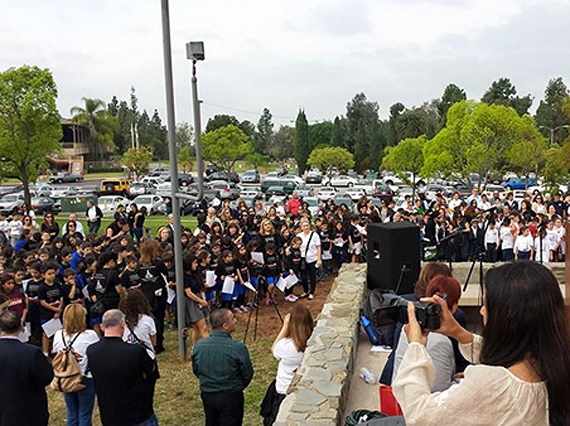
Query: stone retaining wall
{"points": [[318, 391]]}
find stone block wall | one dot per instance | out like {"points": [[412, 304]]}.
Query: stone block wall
{"points": [[318, 392]]}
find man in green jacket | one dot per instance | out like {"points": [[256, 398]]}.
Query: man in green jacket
{"points": [[224, 369]]}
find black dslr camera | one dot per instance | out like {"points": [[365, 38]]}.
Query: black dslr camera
{"points": [[394, 308]]}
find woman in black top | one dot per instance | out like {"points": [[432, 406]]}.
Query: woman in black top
{"points": [[138, 224], [50, 226], [153, 274], [105, 286]]}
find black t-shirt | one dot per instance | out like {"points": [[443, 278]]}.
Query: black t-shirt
{"points": [[225, 269], [325, 239], [153, 280], [103, 286], [52, 295], [294, 259], [271, 267], [193, 282], [77, 297], [131, 279], [32, 289]]}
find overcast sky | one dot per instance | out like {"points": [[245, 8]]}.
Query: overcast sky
{"points": [[284, 55]]}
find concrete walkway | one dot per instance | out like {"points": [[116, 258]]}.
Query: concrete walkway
{"points": [[362, 395]]}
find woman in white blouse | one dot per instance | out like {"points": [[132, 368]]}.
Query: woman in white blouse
{"points": [[288, 348], [141, 328], [522, 376], [74, 333]]}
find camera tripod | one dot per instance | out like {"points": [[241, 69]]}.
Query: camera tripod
{"points": [[257, 302]]}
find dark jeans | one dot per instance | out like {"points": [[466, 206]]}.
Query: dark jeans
{"points": [[138, 233], [151, 421], [94, 227], [223, 408], [80, 405], [492, 254], [309, 278], [507, 255]]}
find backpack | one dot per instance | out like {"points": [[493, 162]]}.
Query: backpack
{"points": [[374, 301], [67, 374]]}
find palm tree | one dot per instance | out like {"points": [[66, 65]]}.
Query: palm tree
{"points": [[100, 122]]}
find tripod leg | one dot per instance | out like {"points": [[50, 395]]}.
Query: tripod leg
{"points": [[247, 325], [256, 318], [276, 309]]}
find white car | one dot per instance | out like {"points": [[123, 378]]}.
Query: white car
{"points": [[11, 203], [314, 205], [108, 203], [154, 203], [164, 189], [63, 191], [355, 194], [250, 193], [326, 193], [341, 180], [41, 190], [153, 180], [296, 178]]}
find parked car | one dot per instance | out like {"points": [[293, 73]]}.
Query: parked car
{"points": [[288, 185], [272, 175], [184, 179], [251, 192], [210, 168], [249, 201], [142, 188], [115, 187], [370, 176], [326, 193], [160, 172], [280, 171], [305, 191], [518, 183], [225, 190], [228, 177], [404, 178], [65, 178], [430, 191], [355, 193], [314, 176], [314, 205], [383, 191], [275, 190], [154, 203], [340, 199], [489, 189], [295, 178], [342, 180], [41, 190], [154, 181], [274, 199], [11, 202], [164, 189], [64, 191], [250, 176], [108, 203], [43, 205], [352, 174]]}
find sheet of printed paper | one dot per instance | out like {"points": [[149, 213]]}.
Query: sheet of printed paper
{"points": [[281, 284], [229, 284], [52, 326], [257, 257], [210, 279], [291, 280]]}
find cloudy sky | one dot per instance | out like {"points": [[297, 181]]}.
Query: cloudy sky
{"points": [[283, 55]]}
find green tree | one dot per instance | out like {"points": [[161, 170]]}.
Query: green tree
{"points": [[226, 145], [247, 127], [526, 153], [357, 110], [96, 117], [302, 147], [186, 158], [361, 146], [221, 120], [30, 125], [264, 132], [137, 160], [325, 157], [320, 134], [283, 145], [377, 144], [407, 156], [337, 138], [257, 160], [549, 114], [556, 166], [184, 135], [476, 139], [503, 92], [451, 95]]}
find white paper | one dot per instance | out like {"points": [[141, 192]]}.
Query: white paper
{"points": [[249, 286], [52, 326], [257, 257], [210, 279], [85, 291], [291, 280], [171, 294], [339, 242], [381, 348], [281, 284], [229, 284], [25, 334], [327, 255]]}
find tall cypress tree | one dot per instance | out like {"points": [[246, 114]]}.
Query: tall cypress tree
{"points": [[336, 137], [301, 141], [361, 146]]}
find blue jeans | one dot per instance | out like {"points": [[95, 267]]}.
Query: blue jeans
{"points": [[151, 421], [80, 405]]}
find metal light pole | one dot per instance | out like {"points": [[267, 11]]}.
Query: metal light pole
{"points": [[180, 298], [552, 130], [195, 52]]}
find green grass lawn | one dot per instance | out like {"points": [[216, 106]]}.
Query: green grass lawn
{"points": [[153, 222]]}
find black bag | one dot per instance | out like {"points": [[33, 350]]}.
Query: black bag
{"points": [[270, 405], [373, 302], [358, 417]]}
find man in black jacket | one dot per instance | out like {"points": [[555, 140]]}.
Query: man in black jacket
{"points": [[124, 376], [24, 374], [94, 216]]}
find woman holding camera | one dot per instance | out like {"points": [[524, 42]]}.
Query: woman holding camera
{"points": [[523, 357], [288, 348]]}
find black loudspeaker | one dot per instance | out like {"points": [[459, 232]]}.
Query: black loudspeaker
{"points": [[393, 256]]}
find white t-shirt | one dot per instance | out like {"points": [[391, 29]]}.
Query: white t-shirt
{"points": [[289, 360], [492, 236], [85, 339], [312, 251], [507, 240], [15, 228], [524, 244], [144, 329]]}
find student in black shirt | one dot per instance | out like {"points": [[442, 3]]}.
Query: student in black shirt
{"points": [[105, 285], [196, 304], [50, 296], [271, 271], [31, 288], [293, 260], [131, 277], [227, 268]]}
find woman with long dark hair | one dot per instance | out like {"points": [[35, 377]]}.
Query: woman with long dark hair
{"points": [[523, 376], [141, 328]]}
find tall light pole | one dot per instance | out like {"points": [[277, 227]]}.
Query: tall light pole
{"points": [[552, 130], [195, 52]]}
